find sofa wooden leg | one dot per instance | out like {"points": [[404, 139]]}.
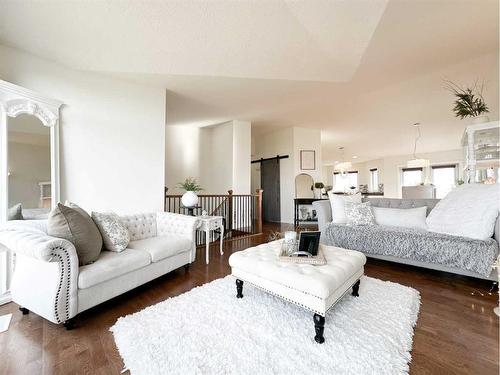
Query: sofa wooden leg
{"points": [[239, 288], [355, 289], [24, 310], [69, 324], [186, 267], [319, 327]]}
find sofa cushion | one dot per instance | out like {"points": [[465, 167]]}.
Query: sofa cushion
{"points": [[15, 212], [162, 247], [114, 233], [110, 265], [469, 211], [76, 226], [337, 203], [359, 213], [401, 217]]}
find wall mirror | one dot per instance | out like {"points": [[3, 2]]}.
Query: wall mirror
{"points": [[29, 150], [304, 186], [28, 168]]}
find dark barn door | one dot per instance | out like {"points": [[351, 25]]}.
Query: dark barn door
{"points": [[270, 183]]}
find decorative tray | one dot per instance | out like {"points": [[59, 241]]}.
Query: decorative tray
{"points": [[318, 260]]}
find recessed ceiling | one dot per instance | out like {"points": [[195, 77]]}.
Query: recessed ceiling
{"points": [[360, 71], [292, 40]]}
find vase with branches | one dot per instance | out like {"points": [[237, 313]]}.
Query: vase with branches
{"points": [[469, 101]]}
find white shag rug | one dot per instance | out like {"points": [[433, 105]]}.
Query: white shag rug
{"points": [[209, 331]]}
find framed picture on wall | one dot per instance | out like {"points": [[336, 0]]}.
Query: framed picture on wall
{"points": [[307, 160]]}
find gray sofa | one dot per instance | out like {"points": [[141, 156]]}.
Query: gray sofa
{"points": [[416, 247]]}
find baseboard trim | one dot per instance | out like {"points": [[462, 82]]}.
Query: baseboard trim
{"points": [[5, 298]]}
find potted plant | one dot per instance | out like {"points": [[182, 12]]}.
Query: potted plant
{"points": [[319, 185], [190, 185], [469, 102]]}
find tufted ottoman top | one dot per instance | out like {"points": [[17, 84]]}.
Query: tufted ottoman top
{"points": [[322, 281]]}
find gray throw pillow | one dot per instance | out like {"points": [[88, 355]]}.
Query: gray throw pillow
{"points": [[359, 213], [76, 226], [15, 212], [114, 233]]}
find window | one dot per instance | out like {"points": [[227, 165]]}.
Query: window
{"points": [[444, 178], [411, 176], [374, 179], [342, 182]]}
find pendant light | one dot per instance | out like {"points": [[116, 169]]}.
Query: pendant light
{"points": [[416, 162], [343, 166]]}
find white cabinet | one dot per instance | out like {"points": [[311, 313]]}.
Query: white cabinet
{"points": [[481, 144]]}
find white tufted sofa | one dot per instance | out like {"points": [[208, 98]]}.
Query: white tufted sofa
{"points": [[48, 281]]}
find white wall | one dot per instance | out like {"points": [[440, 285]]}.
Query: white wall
{"points": [[220, 165], [242, 136], [183, 155], [112, 133], [287, 141], [308, 139], [279, 142], [217, 156]]}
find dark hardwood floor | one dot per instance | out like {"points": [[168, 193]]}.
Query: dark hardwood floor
{"points": [[456, 333]]}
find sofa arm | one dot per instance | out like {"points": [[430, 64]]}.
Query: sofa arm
{"points": [[45, 278], [36, 244], [168, 223], [324, 213]]}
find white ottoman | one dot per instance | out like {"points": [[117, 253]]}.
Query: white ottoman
{"points": [[315, 288]]}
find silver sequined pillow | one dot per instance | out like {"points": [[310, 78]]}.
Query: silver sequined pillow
{"points": [[114, 233], [359, 213]]}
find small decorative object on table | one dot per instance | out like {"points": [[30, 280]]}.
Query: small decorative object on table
{"points": [[319, 186], [309, 242], [289, 244], [306, 250]]}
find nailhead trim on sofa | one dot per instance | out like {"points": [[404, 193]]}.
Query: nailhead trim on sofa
{"points": [[64, 265]]}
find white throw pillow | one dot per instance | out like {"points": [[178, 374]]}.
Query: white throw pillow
{"points": [[338, 205], [114, 233], [359, 213], [467, 211], [401, 217]]}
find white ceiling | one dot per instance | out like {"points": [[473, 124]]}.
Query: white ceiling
{"points": [[358, 70], [292, 40]]}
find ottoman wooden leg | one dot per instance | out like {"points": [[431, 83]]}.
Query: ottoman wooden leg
{"points": [[319, 327], [24, 310], [355, 289], [239, 288]]}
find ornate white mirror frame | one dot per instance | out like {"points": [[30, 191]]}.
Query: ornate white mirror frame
{"points": [[16, 100]]}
